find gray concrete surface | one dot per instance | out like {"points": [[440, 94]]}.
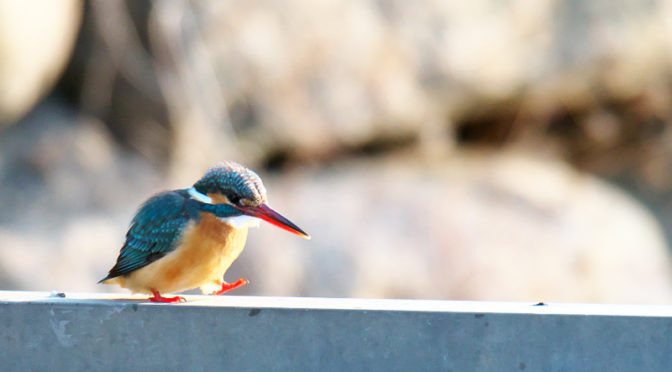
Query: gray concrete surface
{"points": [[96, 332]]}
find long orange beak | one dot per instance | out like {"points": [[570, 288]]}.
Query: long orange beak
{"points": [[267, 214]]}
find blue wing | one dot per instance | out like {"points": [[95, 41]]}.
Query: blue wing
{"points": [[155, 231]]}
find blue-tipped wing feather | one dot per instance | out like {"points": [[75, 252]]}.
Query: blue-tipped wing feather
{"points": [[155, 231]]}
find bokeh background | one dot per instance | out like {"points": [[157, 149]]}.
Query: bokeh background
{"points": [[486, 149]]}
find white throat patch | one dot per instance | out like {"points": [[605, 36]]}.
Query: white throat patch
{"points": [[240, 222]]}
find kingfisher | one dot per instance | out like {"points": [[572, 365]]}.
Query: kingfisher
{"points": [[184, 239]]}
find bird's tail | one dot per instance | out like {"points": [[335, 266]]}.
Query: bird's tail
{"points": [[102, 281]]}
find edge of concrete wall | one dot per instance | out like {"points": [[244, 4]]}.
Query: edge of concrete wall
{"points": [[43, 331]]}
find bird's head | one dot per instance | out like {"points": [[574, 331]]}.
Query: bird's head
{"points": [[235, 185]]}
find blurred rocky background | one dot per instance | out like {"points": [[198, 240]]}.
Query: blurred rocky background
{"points": [[490, 150]]}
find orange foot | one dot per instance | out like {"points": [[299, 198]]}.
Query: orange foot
{"points": [[158, 298], [227, 287]]}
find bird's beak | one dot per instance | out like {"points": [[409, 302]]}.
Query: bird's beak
{"points": [[267, 214]]}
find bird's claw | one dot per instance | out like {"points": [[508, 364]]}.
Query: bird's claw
{"points": [[158, 298], [230, 286]]}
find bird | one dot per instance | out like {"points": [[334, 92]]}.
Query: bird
{"points": [[183, 239]]}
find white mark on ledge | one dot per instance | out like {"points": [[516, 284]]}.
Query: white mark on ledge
{"points": [[58, 326], [114, 310]]}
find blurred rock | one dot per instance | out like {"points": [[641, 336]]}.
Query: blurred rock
{"points": [[69, 256], [55, 164], [36, 39], [267, 81], [67, 191], [477, 226], [310, 86]]}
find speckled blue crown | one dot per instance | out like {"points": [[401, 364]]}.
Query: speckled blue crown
{"points": [[233, 180]]}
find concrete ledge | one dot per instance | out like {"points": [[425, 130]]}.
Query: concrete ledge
{"points": [[96, 332]]}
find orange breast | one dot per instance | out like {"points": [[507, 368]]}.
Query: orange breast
{"points": [[205, 252]]}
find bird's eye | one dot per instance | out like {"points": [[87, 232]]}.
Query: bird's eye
{"points": [[234, 199]]}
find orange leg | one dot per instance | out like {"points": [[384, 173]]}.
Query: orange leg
{"points": [[229, 286], [158, 298]]}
